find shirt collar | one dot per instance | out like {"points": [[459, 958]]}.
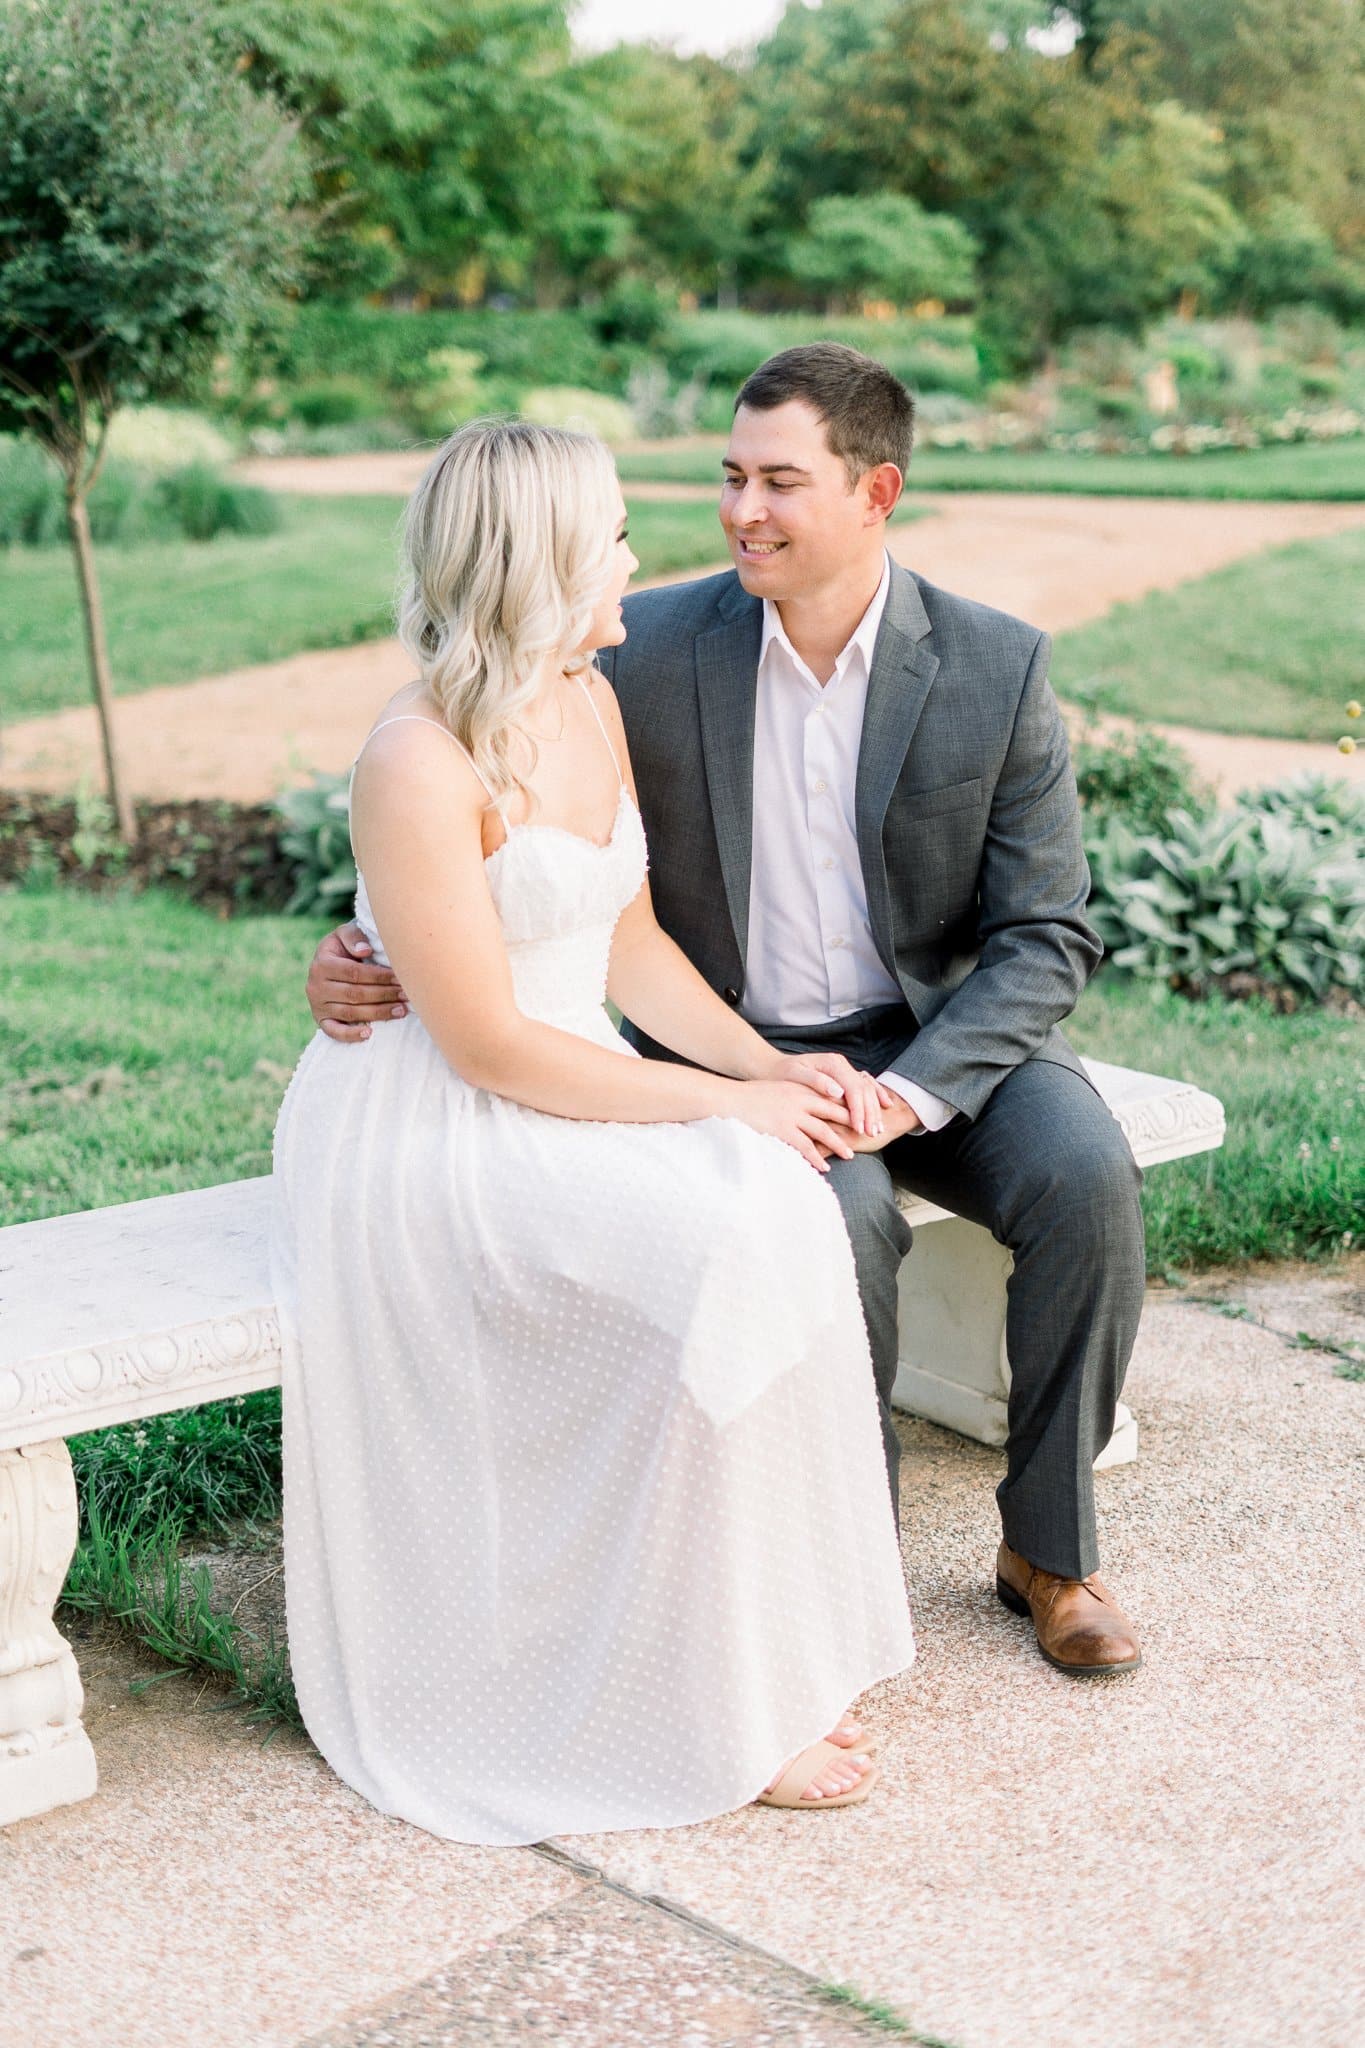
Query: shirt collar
{"points": [[862, 640]]}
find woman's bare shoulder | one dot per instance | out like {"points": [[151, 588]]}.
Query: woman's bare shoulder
{"points": [[399, 757]]}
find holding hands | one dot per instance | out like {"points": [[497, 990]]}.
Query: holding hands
{"points": [[839, 1111]]}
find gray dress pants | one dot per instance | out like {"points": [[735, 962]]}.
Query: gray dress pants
{"points": [[1047, 1170]]}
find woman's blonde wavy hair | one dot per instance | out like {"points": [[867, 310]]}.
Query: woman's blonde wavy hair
{"points": [[508, 541]]}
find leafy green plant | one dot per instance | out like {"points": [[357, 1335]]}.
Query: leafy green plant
{"points": [[1136, 775], [333, 401], [136, 1578], [166, 437], [564, 405], [1239, 894], [127, 504], [1322, 804], [391, 346], [451, 392], [96, 835], [316, 839], [208, 1465], [203, 503]]}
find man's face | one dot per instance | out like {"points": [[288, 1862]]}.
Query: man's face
{"points": [[792, 521]]}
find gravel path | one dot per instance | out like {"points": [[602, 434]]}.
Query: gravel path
{"points": [[1056, 560], [1174, 1859]]}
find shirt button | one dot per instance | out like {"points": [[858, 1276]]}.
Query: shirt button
{"points": [[818, 788], [829, 861]]}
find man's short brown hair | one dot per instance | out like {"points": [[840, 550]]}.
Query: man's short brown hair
{"points": [[869, 415]]}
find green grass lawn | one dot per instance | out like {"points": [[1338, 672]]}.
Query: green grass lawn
{"points": [[147, 1046], [180, 610], [1329, 469], [133, 1030], [1290, 1179], [1269, 645]]}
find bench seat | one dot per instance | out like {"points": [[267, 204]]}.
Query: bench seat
{"points": [[119, 1313]]}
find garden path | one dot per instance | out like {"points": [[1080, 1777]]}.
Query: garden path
{"points": [[1058, 561], [1179, 1852]]}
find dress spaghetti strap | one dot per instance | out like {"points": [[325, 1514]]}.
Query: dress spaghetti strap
{"points": [[620, 773], [416, 718]]}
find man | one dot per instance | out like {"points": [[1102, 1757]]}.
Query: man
{"points": [[864, 832]]}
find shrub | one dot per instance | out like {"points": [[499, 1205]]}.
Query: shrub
{"points": [[1247, 899], [334, 401], [225, 856], [1321, 804], [453, 392], [30, 495], [656, 407], [390, 346], [562, 405], [315, 840], [1138, 776], [350, 437], [634, 313], [127, 504], [722, 348], [163, 437], [204, 503]]}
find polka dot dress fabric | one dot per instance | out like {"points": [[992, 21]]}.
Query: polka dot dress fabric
{"points": [[586, 1522]]}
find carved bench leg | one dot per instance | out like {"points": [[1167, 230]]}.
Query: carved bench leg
{"points": [[45, 1755], [953, 1367]]}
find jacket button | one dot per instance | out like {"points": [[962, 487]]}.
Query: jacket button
{"points": [[731, 995]]}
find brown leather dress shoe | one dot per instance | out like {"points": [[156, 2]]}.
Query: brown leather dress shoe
{"points": [[1079, 1625]]}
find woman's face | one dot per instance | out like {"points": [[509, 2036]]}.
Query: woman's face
{"points": [[607, 629]]}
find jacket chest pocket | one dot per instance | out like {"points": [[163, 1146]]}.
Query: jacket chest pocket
{"points": [[912, 807]]}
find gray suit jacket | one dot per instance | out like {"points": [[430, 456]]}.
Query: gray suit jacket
{"points": [[967, 815]]}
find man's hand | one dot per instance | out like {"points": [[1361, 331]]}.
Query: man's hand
{"points": [[347, 991], [829, 1073], [898, 1120]]}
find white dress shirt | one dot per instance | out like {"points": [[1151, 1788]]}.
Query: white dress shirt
{"points": [[811, 954]]}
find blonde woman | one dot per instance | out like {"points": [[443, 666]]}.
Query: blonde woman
{"points": [[585, 1513]]}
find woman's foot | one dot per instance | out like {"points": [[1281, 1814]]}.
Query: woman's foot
{"points": [[836, 1777], [849, 1733]]}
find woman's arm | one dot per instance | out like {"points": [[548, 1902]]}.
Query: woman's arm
{"points": [[415, 823]]}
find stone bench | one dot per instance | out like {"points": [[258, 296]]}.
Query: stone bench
{"points": [[125, 1312]]}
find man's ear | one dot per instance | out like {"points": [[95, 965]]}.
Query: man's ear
{"points": [[883, 485]]}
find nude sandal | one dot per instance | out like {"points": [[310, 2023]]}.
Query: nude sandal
{"points": [[812, 1760]]}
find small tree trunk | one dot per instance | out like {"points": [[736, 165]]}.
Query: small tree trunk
{"points": [[78, 520]]}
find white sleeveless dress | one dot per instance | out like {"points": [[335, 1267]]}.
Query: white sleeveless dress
{"points": [[586, 1521]]}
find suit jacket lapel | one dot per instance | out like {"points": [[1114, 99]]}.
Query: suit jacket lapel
{"points": [[903, 669], [727, 688]]}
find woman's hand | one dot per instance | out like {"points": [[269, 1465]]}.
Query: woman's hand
{"points": [[804, 1117], [830, 1074]]}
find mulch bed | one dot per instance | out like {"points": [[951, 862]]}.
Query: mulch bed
{"points": [[222, 855]]}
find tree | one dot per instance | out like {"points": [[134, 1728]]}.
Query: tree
{"points": [[884, 243], [668, 133], [1092, 197], [449, 144], [148, 215], [1284, 80]]}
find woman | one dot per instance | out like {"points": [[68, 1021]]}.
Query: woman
{"points": [[585, 1514]]}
